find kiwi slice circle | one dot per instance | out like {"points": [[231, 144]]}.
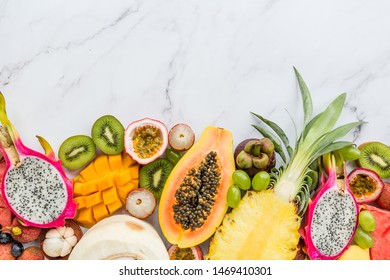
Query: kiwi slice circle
{"points": [[375, 156], [154, 175], [108, 135], [76, 151]]}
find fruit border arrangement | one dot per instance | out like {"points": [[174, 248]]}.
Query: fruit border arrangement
{"points": [[325, 199]]}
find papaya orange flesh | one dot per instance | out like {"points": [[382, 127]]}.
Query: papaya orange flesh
{"points": [[102, 187], [187, 215]]}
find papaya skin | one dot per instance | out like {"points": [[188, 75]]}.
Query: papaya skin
{"points": [[212, 139]]}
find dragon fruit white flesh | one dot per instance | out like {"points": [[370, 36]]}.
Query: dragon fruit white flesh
{"points": [[34, 186], [332, 215]]}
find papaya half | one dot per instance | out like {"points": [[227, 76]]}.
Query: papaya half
{"points": [[194, 199]]}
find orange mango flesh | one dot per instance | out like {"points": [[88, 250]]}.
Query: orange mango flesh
{"points": [[102, 187], [212, 139]]}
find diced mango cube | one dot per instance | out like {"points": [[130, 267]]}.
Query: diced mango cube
{"points": [[115, 162], [106, 182], [115, 206], [101, 165], [85, 217], [128, 160], [122, 177], [134, 172], [93, 199], [80, 202], [100, 211], [77, 188], [109, 195], [89, 188], [89, 173]]}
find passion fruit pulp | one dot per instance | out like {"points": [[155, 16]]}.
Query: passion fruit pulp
{"points": [[190, 253], [146, 140], [365, 185]]}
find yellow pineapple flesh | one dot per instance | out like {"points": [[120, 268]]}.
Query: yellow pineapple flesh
{"points": [[263, 226]]}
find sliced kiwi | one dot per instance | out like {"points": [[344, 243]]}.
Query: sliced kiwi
{"points": [[154, 175], [375, 156], [76, 151], [108, 135]]}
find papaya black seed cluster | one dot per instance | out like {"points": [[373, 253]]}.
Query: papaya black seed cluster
{"points": [[196, 195]]}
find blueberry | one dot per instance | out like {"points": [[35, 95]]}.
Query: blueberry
{"points": [[5, 238], [17, 249]]}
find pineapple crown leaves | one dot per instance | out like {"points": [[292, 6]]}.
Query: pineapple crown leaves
{"points": [[317, 138]]}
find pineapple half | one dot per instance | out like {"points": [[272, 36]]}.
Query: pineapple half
{"points": [[265, 226]]}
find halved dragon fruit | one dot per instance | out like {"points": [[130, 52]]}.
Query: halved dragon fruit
{"points": [[332, 215], [34, 186]]}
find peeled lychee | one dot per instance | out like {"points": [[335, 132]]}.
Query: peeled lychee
{"points": [[384, 198], [140, 203], [181, 137]]}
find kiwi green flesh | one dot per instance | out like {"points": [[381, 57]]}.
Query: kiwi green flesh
{"points": [[76, 151], [108, 135], [154, 175], [376, 156]]}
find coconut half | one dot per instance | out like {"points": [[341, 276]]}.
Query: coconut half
{"points": [[120, 237]]}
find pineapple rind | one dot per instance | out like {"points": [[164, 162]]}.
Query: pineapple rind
{"points": [[263, 226]]}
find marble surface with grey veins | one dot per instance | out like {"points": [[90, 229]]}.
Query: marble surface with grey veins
{"points": [[63, 64]]}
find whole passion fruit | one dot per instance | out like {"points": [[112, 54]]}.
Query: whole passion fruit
{"points": [[365, 185], [254, 155], [146, 140]]}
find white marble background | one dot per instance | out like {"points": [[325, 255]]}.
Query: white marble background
{"points": [[63, 63]]}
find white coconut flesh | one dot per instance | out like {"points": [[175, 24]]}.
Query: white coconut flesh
{"points": [[36, 190], [120, 237], [333, 224]]}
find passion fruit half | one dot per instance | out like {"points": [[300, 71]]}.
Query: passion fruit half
{"points": [[191, 253], [365, 185], [146, 140]]}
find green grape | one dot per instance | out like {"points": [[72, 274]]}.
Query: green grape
{"points": [[172, 155], [367, 220], [242, 179], [350, 152], [233, 196], [363, 238], [261, 181]]}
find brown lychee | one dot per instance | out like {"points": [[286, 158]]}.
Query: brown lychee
{"points": [[32, 253], [5, 252], [24, 234], [5, 214], [384, 198]]}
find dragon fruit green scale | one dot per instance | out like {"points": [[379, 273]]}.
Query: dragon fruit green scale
{"points": [[34, 186]]}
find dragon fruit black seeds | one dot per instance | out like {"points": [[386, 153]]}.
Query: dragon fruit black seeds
{"points": [[36, 190], [336, 223]]}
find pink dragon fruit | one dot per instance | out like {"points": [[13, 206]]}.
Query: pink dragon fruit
{"points": [[332, 215], [34, 186]]}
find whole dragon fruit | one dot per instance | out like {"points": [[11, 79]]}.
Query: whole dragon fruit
{"points": [[34, 186], [332, 215]]}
